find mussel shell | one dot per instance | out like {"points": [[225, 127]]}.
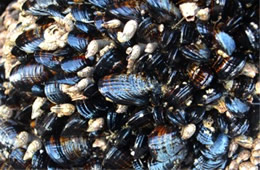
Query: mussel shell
{"points": [[243, 86], [74, 126], [147, 31], [138, 88], [178, 117], [101, 3], [115, 120], [37, 7], [205, 30], [138, 164], [16, 159], [140, 146], [86, 28], [25, 76], [47, 59], [30, 40], [254, 120], [195, 114], [24, 115], [248, 37], [76, 63], [70, 79], [164, 11], [200, 76], [172, 163], [204, 163], [156, 61], [82, 12], [220, 9], [226, 42], [236, 106], [123, 138], [2, 75], [187, 33], [234, 23], [239, 127], [117, 158], [87, 109], [38, 90], [219, 148], [126, 9], [78, 40], [169, 37], [164, 143], [228, 68], [198, 53], [68, 151], [49, 124], [140, 119], [22, 56], [208, 95], [105, 64], [179, 95], [159, 116], [55, 11], [8, 132], [90, 90], [54, 93], [205, 136], [40, 160]]}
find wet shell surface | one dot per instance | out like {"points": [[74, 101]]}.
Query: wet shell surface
{"points": [[129, 84]]}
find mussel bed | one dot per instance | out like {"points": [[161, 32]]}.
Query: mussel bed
{"points": [[129, 84]]}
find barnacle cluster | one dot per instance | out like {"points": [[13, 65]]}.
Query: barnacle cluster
{"points": [[129, 84]]}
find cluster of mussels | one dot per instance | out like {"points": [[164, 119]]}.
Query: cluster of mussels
{"points": [[130, 84]]}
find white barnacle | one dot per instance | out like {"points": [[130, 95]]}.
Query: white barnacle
{"points": [[220, 106], [6, 112], [95, 45], [21, 139], [161, 28], [136, 51], [248, 165], [244, 141], [65, 109], [54, 37], [187, 131], [129, 31], [228, 84], [86, 72], [249, 70], [257, 88], [104, 50], [36, 107], [81, 85], [203, 14], [111, 24], [222, 53], [121, 108], [188, 103], [34, 146], [209, 91], [189, 10], [100, 143], [95, 124], [151, 47], [244, 155], [204, 96]]}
